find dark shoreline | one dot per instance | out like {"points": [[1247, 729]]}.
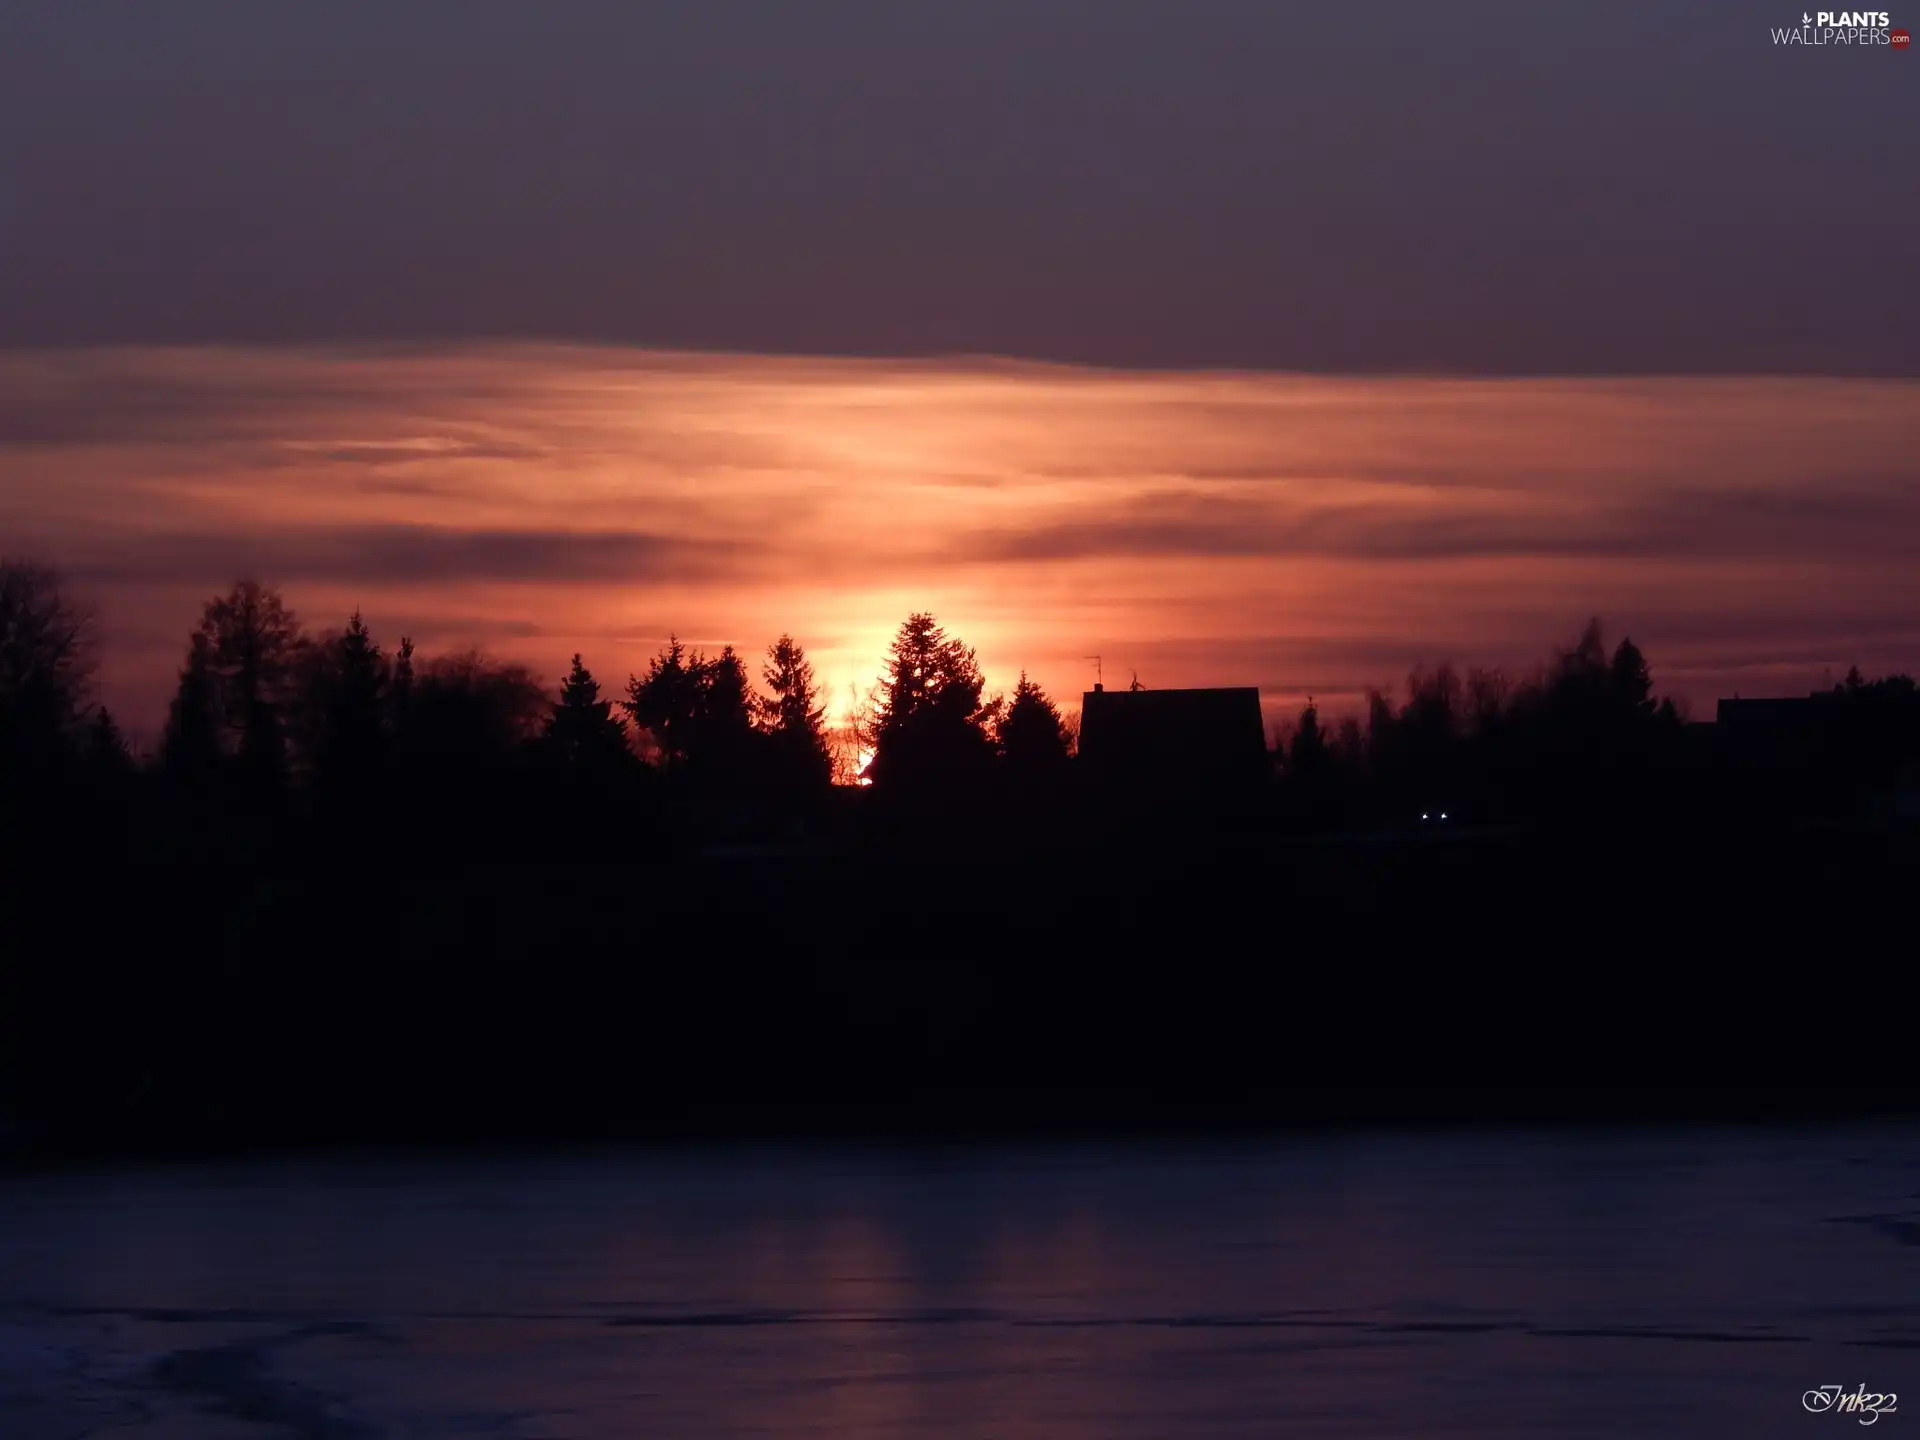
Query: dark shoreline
{"points": [[1685, 976], [955, 1122]]}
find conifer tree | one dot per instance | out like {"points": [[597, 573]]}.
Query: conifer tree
{"points": [[792, 717], [931, 724], [354, 704], [665, 702], [582, 731], [1031, 736]]}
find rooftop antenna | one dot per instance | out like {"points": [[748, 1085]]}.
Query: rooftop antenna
{"points": [[1136, 682], [1098, 676]]}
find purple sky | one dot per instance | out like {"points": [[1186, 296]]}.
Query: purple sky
{"points": [[1171, 196], [1560, 188]]}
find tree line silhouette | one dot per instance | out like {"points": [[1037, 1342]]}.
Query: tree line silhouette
{"points": [[272, 728], [320, 909]]}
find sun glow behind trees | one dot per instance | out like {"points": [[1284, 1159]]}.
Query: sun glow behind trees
{"points": [[1303, 535]]}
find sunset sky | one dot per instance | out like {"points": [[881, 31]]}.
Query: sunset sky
{"points": [[1302, 534], [1329, 340]]}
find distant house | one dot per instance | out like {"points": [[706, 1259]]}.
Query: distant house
{"points": [[1173, 740]]}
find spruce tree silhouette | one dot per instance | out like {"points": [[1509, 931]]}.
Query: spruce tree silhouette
{"points": [[792, 715], [1030, 735], [588, 771], [698, 709], [1631, 681], [931, 729], [583, 733], [665, 702], [347, 725], [721, 742]]}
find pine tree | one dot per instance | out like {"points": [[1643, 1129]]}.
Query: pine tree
{"points": [[665, 702], [931, 725], [582, 731], [354, 719], [699, 709], [1630, 680], [1031, 736], [363, 669], [792, 717], [723, 731]]}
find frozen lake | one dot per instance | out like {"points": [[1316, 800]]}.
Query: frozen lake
{"points": [[1683, 1283]]}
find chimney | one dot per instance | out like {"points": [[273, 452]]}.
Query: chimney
{"points": [[1098, 687]]}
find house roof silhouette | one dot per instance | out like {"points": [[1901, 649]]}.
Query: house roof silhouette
{"points": [[1174, 738]]}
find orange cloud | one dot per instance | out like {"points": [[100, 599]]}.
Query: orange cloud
{"points": [[1302, 534]]}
